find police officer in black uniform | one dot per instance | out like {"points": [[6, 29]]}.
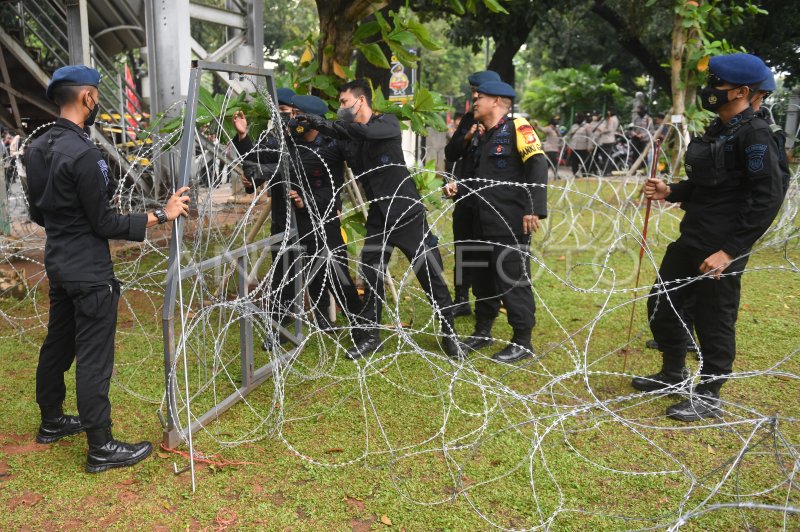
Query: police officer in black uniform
{"points": [[262, 165], [459, 150], [316, 197], [510, 198], [733, 192], [69, 189], [396, 218]]}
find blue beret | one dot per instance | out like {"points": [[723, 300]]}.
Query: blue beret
{"points": [[285, 96], [739, 69], [769, 82], [75, 75], [497, 88], [311, 104], [479, 78]]}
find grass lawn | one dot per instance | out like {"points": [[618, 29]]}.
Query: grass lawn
{"points": [[410, 440]]}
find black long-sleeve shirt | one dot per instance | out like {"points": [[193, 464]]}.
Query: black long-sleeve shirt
{"points": [[68, 194], [510, 177], [374, 152], [732, 214]]}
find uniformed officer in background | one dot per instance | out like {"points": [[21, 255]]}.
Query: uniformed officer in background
{"points": [[733, 192], [459, 150], [261, 165], [318, 205], [396, 218], [69, 193], [510, 200]]}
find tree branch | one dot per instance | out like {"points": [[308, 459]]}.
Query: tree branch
{"points": [[627, 38]]}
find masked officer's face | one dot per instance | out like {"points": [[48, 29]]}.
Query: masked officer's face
{"points": [[474, 91]]}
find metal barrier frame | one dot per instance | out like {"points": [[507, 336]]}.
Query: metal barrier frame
{"points": [[251, 377]]}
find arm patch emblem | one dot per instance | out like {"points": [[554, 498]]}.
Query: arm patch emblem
{"points": [[755, 157], [104, 170], [528, 143]]}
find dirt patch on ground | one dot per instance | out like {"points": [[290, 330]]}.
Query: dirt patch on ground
{"points": [[5, 475], [28, 498], [14, 444], [278, 498], [363, 525], [354, 504]]}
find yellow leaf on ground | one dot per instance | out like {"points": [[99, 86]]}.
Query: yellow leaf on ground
{"points": [[385, 520]]}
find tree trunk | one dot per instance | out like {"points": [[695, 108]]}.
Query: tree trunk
{"points": [[678, 83], [338, 20], [502, 60]]}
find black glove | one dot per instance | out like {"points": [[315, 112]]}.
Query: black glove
{"points": [[326, 127], [311, 121]]}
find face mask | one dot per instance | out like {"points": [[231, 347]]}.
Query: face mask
{"points": [[640, 113], [285, 117], [92, 113], [712, 99], [347, 114], [296, 130]]}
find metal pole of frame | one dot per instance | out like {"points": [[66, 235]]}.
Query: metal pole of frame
{"points": [[251, 377], [173, 268]]}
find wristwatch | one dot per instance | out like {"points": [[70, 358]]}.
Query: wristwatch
{"points": [[161, 215]]}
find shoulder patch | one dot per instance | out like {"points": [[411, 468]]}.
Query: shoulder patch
{"points": [[528, 143], [103, 169], [755, 157]]}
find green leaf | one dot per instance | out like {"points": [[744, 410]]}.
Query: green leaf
{"points": [[458, 7], [495, 7], [366, 30], [373, 53], [404, 56], [423, 100], [384, 25]]}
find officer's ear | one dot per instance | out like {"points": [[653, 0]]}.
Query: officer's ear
{"points": [[744, 92]]}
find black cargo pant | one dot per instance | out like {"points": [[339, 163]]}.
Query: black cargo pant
{"points": [[413, 237], [502, 272], [464, 220], [326, 264], [716, 307], [285, 265], [82, 325]]}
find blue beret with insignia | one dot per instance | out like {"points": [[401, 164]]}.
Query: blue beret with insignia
{"points": [[310, 104], [739, 69], [75, 75], [477, 79], [285, 96], [497, 88]]}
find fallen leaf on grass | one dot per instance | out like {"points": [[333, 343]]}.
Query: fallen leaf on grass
{"points": [[385, 520], [335, 450], [711, 450], [163, 455]]}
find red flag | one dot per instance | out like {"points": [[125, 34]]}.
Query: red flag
{"points": [[133, 105]]}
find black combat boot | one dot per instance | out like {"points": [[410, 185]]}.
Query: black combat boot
{"points": [[55, 425], [451, 344], [461, 304], [481, 336], [703, 403], [366, 342], [519, 348], [673, 372], [106, 453]]}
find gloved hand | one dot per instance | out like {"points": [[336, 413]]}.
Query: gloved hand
{"points": [[312, 121]]}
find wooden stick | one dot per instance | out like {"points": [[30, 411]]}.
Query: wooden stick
{"points": [[653, 170]]}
